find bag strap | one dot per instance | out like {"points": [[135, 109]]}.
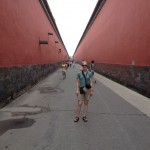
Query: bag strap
{"points": [[84, 76]]}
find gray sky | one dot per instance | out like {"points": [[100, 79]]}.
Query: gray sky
{"points": [[71, 17]]}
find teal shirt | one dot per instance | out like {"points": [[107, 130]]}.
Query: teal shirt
{"points": [[82, 80]]}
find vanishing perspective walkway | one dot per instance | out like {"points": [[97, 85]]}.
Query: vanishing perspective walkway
{"points": [[42, 118]]}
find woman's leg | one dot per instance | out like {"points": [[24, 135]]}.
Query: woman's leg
{"points": [[79, 105], [85, 107]]}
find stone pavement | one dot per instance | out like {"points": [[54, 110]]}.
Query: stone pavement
{"points": [[42, 118]]}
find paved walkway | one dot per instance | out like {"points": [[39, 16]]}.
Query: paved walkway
{"points": [[42, 118], [137, 100]]}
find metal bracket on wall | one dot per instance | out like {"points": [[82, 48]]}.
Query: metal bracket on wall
{"points": [[43, 42], [59, 51], [49, 33]]}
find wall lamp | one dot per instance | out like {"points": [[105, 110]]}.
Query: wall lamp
{"points": [[43, 42], [49, 33], [56, 41]]}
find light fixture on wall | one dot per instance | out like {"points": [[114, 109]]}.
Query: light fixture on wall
{"points": [[49, 33], [43, 42]]}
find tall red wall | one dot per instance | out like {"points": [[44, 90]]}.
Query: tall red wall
{"points": [[119, 35], [22, 24]]}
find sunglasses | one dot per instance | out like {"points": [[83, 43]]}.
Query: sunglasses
{"points": [[84, 65]]}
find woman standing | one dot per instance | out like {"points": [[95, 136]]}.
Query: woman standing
{"points": [[64, 70], [83, 91]]}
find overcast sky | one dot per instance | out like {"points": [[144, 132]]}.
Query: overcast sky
{"points": [[71, 17]]}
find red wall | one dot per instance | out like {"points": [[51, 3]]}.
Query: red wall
{"points": [[22, 24], [119, 35]]}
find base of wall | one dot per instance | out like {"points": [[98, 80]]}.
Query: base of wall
{"points": [[15, 81], [133, 77]]}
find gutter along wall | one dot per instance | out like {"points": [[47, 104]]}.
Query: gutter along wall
{"points": [[23, 61], [118, 41]]}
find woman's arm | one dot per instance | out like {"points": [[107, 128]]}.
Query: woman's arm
{"points": [[91, 89], [91, 84], [77, 87]]}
